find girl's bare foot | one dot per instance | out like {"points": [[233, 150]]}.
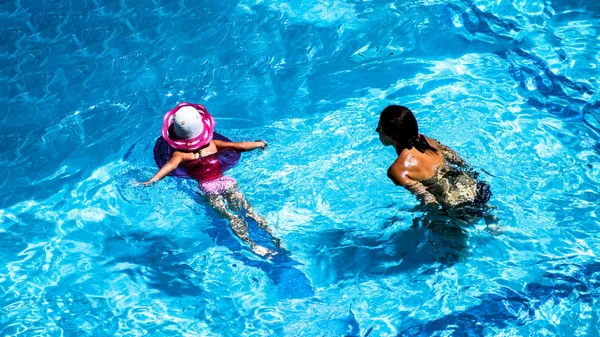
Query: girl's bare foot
{"points": [[262, 251]]}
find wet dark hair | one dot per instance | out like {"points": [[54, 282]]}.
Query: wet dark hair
{"points": [[400, 124]]}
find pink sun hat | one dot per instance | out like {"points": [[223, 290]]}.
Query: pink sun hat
{"points": [[188, 127]]}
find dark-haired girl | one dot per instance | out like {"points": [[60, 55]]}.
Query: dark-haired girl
{"points": [[436, 174]]}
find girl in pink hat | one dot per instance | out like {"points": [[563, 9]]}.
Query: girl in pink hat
{"points": [[188, 129]]}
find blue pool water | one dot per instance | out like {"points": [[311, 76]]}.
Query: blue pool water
{"points": [[513, 86]]}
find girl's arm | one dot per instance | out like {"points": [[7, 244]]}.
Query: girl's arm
{"points": [[424, 196], [240, 146], [400, 178], [164, 171]]}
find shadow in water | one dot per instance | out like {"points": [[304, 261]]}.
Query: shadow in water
{"points": [[509, 307], [155, 260], [281, 269], [342, 255], [346, 326]]}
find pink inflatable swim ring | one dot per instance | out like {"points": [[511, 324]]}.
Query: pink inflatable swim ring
{"points": [[192, 144]]}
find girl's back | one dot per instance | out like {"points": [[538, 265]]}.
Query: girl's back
{"points": [[450, 187]]}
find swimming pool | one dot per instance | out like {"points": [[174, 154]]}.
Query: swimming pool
{"points": [[512, 86]]}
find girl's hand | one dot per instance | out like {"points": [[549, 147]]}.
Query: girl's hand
{"points": [[145, 183], [265, 144]]}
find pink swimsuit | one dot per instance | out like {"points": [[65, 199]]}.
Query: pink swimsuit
{"points": [[207, 171]]}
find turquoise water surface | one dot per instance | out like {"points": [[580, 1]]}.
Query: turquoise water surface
{"points": [[513, 86]]}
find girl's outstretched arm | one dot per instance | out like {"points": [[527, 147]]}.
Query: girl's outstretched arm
{"points": [[164, 171], [241, 146]]}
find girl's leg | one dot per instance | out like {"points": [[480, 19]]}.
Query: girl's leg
{"points": [[240, 229], [238, 202], [217, 201]]}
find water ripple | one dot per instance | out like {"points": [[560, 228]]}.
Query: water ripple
{"points": [[85, 84]]}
